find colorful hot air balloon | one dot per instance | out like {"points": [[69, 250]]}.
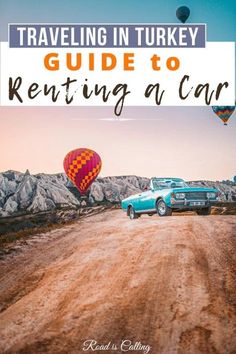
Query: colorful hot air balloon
{"points": [[182, 13], [82, 167], [223, 112]]}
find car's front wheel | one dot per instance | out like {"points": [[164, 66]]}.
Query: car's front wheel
{"points": [[132, 214], [204, 211], [163, 209]]}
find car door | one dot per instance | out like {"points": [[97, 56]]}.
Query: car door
{"points": [[144, 201]]}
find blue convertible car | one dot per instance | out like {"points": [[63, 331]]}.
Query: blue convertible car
{"points": [[170, 194]]}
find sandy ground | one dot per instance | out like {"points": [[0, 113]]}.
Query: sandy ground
{"points": [[168, 283]]}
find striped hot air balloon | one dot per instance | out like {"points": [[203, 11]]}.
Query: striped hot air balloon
{"points": [[223, 112], [82, 166]]}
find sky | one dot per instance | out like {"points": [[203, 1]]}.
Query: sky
{"points": [[187, 142]]}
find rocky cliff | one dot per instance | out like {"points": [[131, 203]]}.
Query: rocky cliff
{"points": [[23, 192]]}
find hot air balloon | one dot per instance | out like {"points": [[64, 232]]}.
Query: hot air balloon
{"points": [[182, 13], [223, 112], [82, 167]]}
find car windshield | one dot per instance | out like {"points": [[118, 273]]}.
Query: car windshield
{"points": [[161, 184]]}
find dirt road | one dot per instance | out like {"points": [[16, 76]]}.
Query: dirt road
{"points": [[168, 283]]}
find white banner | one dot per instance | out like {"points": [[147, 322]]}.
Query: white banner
{"points": [[133, 77]]}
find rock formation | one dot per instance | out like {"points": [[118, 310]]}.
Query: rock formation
{"points": [[26, 193]]}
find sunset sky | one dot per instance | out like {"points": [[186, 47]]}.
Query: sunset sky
{"points": [[187, 142]]}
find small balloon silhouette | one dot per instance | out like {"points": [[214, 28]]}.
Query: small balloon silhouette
{"points": [[82, 166], [182, 13]]}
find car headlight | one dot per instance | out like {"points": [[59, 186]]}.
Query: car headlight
{"points": [[180, 195], [211, 195]]}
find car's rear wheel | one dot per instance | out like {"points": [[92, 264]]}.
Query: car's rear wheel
{"points": [[132, 213], [163, 209], [204, 211]]}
